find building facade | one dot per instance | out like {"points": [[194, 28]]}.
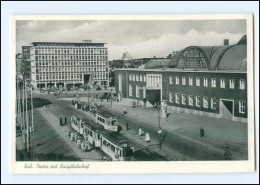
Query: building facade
{"points": [[68, 64], [196, 81], [26, 63], [18, 61]]}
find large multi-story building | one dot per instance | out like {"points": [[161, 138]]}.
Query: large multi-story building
{"points": [[209, 81], [63, 64], [18, 61], [26, 63]]}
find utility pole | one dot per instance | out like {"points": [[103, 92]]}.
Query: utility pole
{"points": [[23, 104], [27, 122], [32, 107], [110, 97], [159, 124]]}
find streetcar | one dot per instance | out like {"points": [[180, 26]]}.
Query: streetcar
{"points": [[107, 120], [116, 146], [92, 133], [77, 124]]}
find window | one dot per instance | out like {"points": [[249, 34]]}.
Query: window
{"points": [[120, 82], [183, 81], [130, 77], [184, 99], [205, 102], [197, 81], [177, 98], [205, 81], [222, 83], [190, 100], [190, 81], [231, 83], [171, 97], [170, 80], [141, 78], [177, 80], [242, 107], [137, 91], [198, 101], [213, 103], [137, 77], [242, 84], [130, 90], [213, 82], [144, 78], [133, 77]]}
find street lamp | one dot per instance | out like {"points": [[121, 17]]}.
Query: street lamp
{"points": [[159, 126]]}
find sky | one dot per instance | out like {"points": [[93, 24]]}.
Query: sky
{"points": [[140, 38]]}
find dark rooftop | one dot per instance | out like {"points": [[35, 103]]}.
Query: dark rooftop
{"points": [[67, 44]]}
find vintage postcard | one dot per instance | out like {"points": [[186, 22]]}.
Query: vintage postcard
{"points": [[132, 94]]}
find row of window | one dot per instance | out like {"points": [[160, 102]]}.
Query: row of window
{"points": [[71, 69], [71, 51], [137, 77], [206, 82], [204, 102], [64, 63], [65, 77], [71, 57]]}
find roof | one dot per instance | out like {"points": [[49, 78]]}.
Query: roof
{"points": [[227, 57], [243, 40], [93, 126], [67, 44], [105, 113], [115, 138], [179, 70], [157, 63]]}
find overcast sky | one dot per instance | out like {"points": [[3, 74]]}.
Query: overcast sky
{"points": [[138, 38]]}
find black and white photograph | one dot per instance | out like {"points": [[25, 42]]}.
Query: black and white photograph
{"points": [[115, 90]]}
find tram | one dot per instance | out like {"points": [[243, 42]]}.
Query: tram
{"points": [[107, 120], [116, 147], [94, 135]]}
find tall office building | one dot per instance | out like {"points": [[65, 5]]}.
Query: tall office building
{"points": [[62, 64]]}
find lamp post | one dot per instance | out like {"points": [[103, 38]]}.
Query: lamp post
{"points": [[159, 126]]}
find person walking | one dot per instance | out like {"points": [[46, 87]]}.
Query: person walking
{"points": [[60, 121], [127, 126], [227, 154], [201, 132]]}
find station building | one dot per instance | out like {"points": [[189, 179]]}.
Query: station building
{"points": [[210, 81], [63, 64]]}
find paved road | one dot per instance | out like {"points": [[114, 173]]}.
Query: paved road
{"points": [[65, 109]]}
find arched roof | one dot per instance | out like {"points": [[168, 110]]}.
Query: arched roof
{"points": [[231, 57]]}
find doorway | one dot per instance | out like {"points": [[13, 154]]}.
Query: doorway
{"points": [[227, 109]]}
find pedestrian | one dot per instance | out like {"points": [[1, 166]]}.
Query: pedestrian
{"points": [[144, 100], [227, 154], [201, 132], [65, 121], [125, 111], [127, 126], [60, 121]]}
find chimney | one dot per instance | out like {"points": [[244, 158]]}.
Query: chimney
{"points": [[226, 42]]}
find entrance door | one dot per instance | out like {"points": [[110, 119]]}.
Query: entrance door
{"points": [[86, 79], [227, 109], [153, 96]]}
